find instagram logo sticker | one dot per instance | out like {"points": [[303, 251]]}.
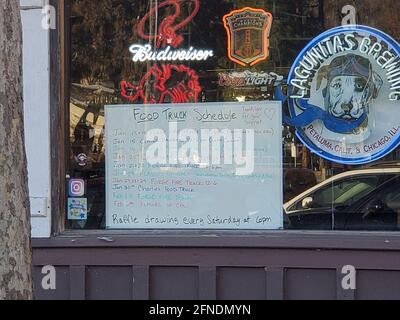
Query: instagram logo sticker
{"points": [[76, 188]]}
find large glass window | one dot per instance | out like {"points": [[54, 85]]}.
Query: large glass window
{"points": [[114, 45]]}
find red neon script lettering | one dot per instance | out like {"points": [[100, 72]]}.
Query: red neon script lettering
{"points": [[166, 33]]}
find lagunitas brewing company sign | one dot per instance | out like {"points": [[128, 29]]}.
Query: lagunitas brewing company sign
{"points": [[344, 95], [248, 35]]}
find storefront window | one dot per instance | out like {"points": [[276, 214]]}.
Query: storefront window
{"points": [[198, 52]]}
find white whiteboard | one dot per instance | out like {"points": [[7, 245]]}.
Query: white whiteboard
{"points": [[195, 195]]}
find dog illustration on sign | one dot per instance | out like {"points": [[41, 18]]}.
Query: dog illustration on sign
{"points": [[351, 86]]}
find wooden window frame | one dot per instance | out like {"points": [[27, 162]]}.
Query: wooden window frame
{"points": [[59, 92]]}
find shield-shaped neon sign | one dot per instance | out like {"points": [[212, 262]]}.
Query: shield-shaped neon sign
{"points": [[248, 35]]}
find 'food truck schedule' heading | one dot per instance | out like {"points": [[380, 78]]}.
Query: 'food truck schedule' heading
{"points": [[194, 166]]}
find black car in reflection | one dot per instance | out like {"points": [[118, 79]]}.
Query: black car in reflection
{"points": [[362, 200]]}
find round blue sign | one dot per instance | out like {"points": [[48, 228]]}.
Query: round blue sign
{"points": [[344, 95]]}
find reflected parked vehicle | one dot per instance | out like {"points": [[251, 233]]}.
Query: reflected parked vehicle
{"points": [[297, 181], [367, 199]]}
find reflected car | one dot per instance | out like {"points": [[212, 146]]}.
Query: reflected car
{"points": [[367, 199]]}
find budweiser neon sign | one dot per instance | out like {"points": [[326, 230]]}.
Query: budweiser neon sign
{"points": [[143, 53], [166, 82], [166, 37]]}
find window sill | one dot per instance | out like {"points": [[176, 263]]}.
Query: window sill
{"points": [[288, 239]]}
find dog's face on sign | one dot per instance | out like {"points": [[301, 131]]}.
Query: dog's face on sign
{"points": [[350, 97]]}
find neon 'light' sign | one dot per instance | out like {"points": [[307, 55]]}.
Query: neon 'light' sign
{"points": [[248, 79], [161, 82]]}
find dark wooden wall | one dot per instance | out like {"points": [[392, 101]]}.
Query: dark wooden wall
{"points": [[276, 266]]}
